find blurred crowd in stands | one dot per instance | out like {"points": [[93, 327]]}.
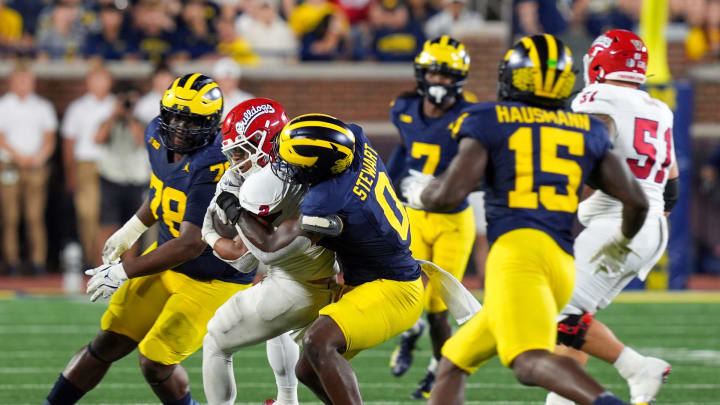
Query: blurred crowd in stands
{"points": [[101, 153], [254, 31]]}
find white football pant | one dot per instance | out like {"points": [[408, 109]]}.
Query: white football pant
{"points": [[594, 291], [264, 311]]}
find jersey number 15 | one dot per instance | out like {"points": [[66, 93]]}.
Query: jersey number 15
{"points": [[524, 196]]}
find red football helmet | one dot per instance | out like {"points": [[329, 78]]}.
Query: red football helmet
{"points": [[248, 132], [616, 55]]}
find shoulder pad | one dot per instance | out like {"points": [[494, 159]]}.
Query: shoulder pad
{"points": [[330, 225], [262, 192], [469, 96], [595, 99]]}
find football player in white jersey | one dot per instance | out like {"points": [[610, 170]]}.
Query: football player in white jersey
{"points": [[295, 287], [615, 68]]}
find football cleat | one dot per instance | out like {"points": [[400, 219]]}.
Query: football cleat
{"points": [[402, 357], [646, 382], [424, 387], [269, 402]]}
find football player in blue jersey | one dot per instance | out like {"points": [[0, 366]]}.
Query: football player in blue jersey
{"points": [[533, 155], [425, 120], [350, 208], [162, 301]]}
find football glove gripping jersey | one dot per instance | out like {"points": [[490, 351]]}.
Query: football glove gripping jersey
{"points": [[230, 205]]}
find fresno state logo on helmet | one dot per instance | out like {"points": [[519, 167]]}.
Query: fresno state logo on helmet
{"points": [[248, 131], [243, 120], [251, 114], [616, 55]]}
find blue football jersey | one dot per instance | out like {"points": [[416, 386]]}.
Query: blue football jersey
{"points": [[181, 191], [538, 162], [429, 142], [375, 240]]}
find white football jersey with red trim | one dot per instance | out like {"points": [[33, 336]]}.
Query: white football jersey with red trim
{"points": [[263, 193], [644, 138]]}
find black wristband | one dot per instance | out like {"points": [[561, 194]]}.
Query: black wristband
{"points": [[671, 194]]}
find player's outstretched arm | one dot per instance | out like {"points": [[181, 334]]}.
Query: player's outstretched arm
{"points": [[460, 179], [613, 177], [187, 246], [128, 234]]}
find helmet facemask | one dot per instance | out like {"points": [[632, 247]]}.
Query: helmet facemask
{"points": [[246, 153], [182, 132], [438, 94]]}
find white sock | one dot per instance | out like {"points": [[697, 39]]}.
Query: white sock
{"points": [[555, 399], [218, 377], [283, 354], [415, 329], [433, 366], [628, 362]]}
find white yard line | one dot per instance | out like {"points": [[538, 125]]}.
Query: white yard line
{"points": [[269, 385]]}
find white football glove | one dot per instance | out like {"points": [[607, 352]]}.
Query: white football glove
{"points": [[611, 256], [105, 280], [122, 239], [209, 235], [412, 187]]}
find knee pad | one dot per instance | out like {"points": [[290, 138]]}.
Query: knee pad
{"points": [[572, 330]]}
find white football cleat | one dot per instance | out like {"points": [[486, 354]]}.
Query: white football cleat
{"points": [[646, 382]]}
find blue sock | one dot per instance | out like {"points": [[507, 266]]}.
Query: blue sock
{"points": [[607, 398], [63, 393], [186, 400]]}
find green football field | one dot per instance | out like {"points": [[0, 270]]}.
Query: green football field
{"points": [[38, 336]]}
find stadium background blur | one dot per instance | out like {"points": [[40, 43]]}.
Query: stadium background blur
{"points": [[348, 58]]}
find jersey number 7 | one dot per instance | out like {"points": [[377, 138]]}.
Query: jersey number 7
{"points": [[523, 195]]}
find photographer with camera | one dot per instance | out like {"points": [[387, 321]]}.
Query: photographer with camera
{"points": [[124, 168]]}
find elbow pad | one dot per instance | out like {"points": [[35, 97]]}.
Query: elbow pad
{"points": [[299, 244], [244, 264], [671, 194], [330, 225]]}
